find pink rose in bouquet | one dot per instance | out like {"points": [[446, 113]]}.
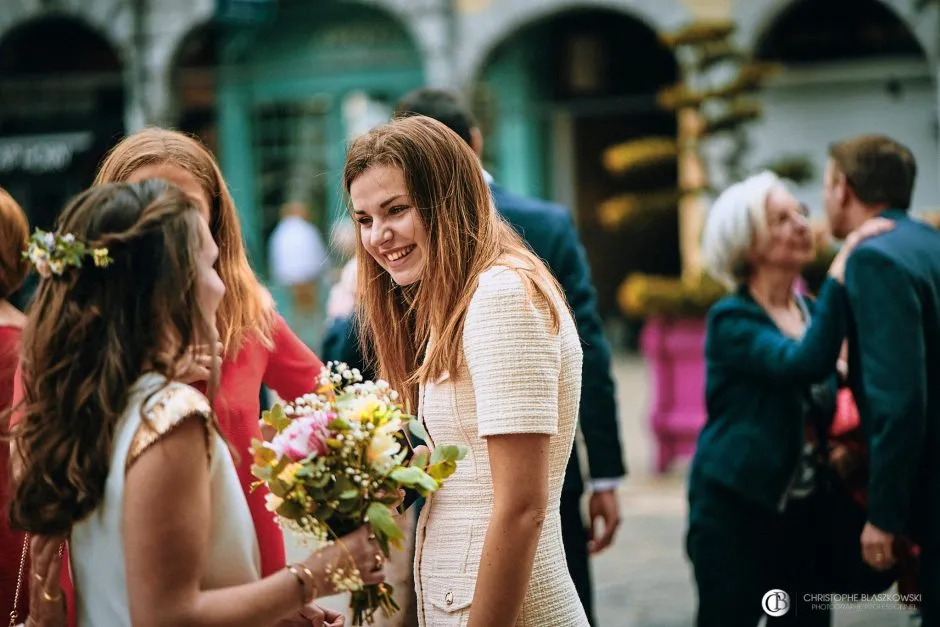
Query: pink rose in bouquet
{"points": [[306, 435]]}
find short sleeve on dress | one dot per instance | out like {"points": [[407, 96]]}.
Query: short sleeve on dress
{"points": [[167, 409], [513, 356]]}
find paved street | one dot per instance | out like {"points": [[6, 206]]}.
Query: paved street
{"points": [[644, 579]]}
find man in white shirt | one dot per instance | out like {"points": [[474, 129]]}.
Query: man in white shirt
{"points": [[296, 253]]}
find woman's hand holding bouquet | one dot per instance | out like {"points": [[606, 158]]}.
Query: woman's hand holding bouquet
{"points": [[338, 461]]}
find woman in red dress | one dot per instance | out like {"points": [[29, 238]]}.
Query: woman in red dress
{"points": [[257, 346], [14, 231]]}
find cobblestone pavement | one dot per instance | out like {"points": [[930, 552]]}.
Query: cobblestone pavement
{"points": [[644, 579]]}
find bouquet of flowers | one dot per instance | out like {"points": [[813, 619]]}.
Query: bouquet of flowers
{"points": [[339, 460]]}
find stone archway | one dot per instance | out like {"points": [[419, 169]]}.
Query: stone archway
{"points": [[429, 24], [193, 79], [755, 17], [845, 73], [63, 93], [552, 97], [110, 18], [480, 31]]}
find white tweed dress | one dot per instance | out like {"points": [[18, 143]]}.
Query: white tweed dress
{"points": [[516, 377]]}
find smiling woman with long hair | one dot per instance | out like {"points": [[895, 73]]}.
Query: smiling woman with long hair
{"points": [[474, 330], [109, 436], [257, 345]]}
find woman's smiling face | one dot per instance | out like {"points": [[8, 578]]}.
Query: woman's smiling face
{"points": [[390, 227]]}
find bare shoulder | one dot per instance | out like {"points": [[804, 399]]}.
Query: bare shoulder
{"points": [[165, 411]]}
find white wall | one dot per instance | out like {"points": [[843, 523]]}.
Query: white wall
{"points": [[807, 108]]}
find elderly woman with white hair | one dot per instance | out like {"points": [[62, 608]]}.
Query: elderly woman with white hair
{"points": [[770, 375]]}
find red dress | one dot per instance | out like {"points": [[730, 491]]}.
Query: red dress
{"points": [[11, 542], [290, 369]]}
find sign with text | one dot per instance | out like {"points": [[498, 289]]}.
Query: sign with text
{"points": [[38, 154]]}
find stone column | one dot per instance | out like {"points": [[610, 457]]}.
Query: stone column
{"points": [[435, 37], [154, 40], [431, 25]]}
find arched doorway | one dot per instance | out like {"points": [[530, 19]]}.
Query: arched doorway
{"points": [[62, 96], [849, 67], [551, 98]]}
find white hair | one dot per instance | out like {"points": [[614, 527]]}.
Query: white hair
{"points": [[736, 217]]}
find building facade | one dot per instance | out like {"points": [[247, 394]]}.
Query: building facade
{"points": [[276, 87]]}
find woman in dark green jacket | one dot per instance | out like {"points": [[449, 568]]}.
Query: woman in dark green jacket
{"points": [[770, 374]]}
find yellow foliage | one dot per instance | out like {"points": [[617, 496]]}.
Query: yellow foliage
{"points": [[643, 295], [680, 96], [617, 211], [698, 32], [644, 152]]}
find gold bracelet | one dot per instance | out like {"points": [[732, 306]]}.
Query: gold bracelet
{"points": [[304, 576]]}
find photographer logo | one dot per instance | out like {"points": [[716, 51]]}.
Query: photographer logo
{"points": [[776, 603]]}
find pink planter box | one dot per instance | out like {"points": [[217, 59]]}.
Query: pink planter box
{"points": [[675, 352]]}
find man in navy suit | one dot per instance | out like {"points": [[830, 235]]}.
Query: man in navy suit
{"points": [[550, 232], [893, 286]]}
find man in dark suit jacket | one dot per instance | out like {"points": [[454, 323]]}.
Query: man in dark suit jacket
{"points": [[550, 232], [893, 286]]}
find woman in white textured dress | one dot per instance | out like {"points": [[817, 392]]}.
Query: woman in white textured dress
{"points": [[123, 461], [474, 330]]}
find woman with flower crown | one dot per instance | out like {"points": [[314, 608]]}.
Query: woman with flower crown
{"points": [[119, 457], [255, 344], [472, 328]]}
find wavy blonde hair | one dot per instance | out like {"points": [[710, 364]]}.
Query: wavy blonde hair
{"points": [[244, 308], [465, 238]]}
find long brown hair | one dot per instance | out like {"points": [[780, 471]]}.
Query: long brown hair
{"points": [[465, 238], [91, 333], [243, 309]]}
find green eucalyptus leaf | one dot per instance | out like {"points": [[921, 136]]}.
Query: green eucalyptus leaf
{"points": [[290, 509], [448, 452], [413, 477], [442, 470], [420, 460], [417, 430], [383, 525]]}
